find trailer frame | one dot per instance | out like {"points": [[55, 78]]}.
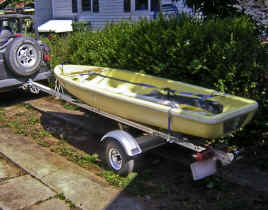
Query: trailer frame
{"points": [[125, 147]]}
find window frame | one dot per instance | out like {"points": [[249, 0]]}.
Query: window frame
{"points": [[133, 6], [91, 7], [143, 10], [158, 6], [127, 6], [74, 6]]}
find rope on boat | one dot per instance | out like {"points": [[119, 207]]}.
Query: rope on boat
{"points": [[200, 99], [203, 97], [120, 80], [172, 106], [58, 89]]}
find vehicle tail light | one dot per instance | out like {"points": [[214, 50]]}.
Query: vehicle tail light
{"points": [[205, 155], [17, 35], [46, 57]]}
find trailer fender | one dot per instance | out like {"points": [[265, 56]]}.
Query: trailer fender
{"points": [[127, 141]]}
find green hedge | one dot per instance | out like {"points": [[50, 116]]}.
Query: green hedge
{"points": [[81, 26], [224, 54]]}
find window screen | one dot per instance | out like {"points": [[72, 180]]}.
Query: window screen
{"points": [[74, 6], [86, 5], [155, 5], [141, 4], [127, 5], [96, 6]]}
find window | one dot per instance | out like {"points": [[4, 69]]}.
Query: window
{"points": [[74, 6], [86, 5], [11, 24], [127, 4], [155, 5], [96, 6], [141, 4]]}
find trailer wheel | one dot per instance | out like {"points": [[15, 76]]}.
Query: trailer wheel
{"points": [[117, 159]]}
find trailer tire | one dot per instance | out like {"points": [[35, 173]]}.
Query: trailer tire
{"points": [[117, 159]]}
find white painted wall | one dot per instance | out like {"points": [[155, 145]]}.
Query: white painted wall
{"points": [[43, 11], [62, 9], [109, 11]]}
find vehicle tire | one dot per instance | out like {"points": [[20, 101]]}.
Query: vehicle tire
{"points": [[117, 159], [23, 56]]}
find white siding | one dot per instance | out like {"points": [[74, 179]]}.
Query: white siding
{"points": [[62, 9], [43, 10], [111, 11]]}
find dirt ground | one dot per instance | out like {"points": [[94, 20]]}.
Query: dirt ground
{"points": [[164, 183]]}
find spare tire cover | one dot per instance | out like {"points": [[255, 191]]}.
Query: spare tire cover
{"points": [[23, 56]]}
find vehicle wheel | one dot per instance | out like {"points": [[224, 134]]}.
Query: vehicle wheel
{"points": [[23, 56], [117, 159]]}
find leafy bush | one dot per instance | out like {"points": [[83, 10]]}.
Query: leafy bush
{"points": [[224, 54], [215, 7], [59, 47], [81, 26]]}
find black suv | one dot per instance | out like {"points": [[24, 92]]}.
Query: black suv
{"points": [[22, 57]]}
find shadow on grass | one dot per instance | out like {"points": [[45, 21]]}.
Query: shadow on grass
{"points": [[158, 183], [17, 96]]}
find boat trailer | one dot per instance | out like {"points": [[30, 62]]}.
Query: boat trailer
{"points": [[122, 148]]}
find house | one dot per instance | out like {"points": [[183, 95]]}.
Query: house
{"points": [[97, 12]]}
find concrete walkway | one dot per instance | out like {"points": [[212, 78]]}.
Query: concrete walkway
{"points": [[49, 175], [23, 191]]}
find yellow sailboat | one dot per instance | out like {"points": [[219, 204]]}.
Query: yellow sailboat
{"points": [[157, 102]]}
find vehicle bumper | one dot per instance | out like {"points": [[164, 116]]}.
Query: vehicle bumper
{"points": [[14, 82]]}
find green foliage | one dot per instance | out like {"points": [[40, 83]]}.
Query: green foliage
{"points": [[69, 106], [2, 115], [13, 3], [217, 8], [84, 160], [116, 180], [44, 144], [59, 47], [62, 197], [24, 128], [81, 26], [223, 54]]}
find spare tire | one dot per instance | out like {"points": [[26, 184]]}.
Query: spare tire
{"points": [[23, 56]]}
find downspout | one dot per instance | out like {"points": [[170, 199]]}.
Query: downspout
{"points": [[132, 9], [79, 8], [53, 8]]}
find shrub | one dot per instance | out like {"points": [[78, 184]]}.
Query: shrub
{"points": [[81, 26], [224, 54], [59, 48], [215, 7]]}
